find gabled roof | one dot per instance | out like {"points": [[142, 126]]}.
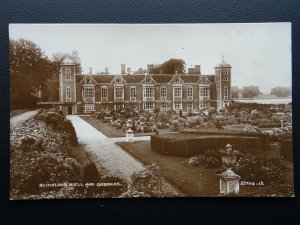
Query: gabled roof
{"points": [[79, 78], [133, 78], [162, 78], [103, 78], [190, 78], [211, 78], [159, 78]]}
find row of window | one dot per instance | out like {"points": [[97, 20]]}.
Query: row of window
{"points": [[89, 92], [147, 106], [148, 92]]}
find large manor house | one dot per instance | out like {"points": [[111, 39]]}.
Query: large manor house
{"points": [[87, 93]]}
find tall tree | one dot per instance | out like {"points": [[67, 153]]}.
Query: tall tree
{"points": [[250, 91], [281, 91], [29, 70], [170, 66], [235, 91]]}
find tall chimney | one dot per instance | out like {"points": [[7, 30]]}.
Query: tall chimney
{"points": [[198, 69], [91, 70], [106, 70], [122, 68], [140, 70], [128, 70], [150, 68]]}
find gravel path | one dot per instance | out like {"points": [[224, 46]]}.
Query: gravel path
{"points": [[109, 158], [16, 120]]}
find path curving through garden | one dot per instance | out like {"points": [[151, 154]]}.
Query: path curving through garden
{"points": [[16, 120], [110, 159]]}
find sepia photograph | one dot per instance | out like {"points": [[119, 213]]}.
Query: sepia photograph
{"points": [[150, 110]]}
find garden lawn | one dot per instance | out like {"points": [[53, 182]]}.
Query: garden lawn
{"points": [[193, 181], [199, 181], [111, 132], [105, 128]]}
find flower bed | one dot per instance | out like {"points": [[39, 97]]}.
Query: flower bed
{"points": [[270, 174], [41, 154], [46, 164]]}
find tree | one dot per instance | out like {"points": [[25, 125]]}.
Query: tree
{"points": [[250, 92], [29, 70], [170, 66], [281, 91], [235, 91]]}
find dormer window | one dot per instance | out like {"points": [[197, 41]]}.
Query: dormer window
{"points": [[88, 81], [203, 79], [176, 80], [148, 80], [118, 80]]}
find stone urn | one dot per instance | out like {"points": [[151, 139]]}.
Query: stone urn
{"points": [[229, 181]]}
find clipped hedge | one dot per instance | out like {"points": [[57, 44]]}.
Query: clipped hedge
{"points": [[269, 125], [192, 144], [265, 137]]}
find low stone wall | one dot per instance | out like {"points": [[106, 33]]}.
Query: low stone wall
{"points": [[184, 144]]}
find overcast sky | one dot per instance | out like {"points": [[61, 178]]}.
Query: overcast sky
{"points": [[260, 54]]}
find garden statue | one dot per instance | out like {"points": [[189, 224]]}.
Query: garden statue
{"points": [[129, 132], [229, 181], [142, 123]]}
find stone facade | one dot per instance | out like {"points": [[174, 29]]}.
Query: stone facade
{"points": [[86, 93]]}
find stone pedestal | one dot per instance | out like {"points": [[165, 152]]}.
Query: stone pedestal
{"points": [[229, 182], [129, 135]]}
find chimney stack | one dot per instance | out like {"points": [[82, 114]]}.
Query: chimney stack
{"points": [[106, 70], [128, 70], [122, 68], [198, 69], [140, 70], [150, 68], [91, 70]]}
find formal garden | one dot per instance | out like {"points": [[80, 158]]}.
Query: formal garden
{"points": [[261, 168], [237, 117], [48, 162]]}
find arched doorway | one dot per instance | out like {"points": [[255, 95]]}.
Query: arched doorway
{"points": [[69, 110]]}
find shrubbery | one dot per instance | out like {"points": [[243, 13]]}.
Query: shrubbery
{"points": [[33, 164], [148, 183], [58, 122], [254, 169], [211, 159], [41, 154], [249, 167]]}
